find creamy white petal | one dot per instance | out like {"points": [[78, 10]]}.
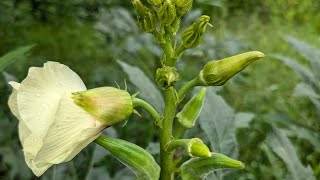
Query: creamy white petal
{"points": [[12, 102], [71, 131], [39, 94]]}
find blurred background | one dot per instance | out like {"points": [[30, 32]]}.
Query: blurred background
{"points": [[275, 102]]}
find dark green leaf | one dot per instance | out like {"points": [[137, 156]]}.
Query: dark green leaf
{"points": [[10, 57]]}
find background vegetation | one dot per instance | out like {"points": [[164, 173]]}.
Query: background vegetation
{"points": [[275, 102]]}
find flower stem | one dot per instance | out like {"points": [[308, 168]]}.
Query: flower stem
{"points": [[146, 106], [166, 134], [186, 87]]}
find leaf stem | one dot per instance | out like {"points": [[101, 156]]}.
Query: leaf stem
{"points": [[186, 87], [146, 106]]}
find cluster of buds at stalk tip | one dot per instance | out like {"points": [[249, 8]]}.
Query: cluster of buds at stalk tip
{"points": [[146, 20], [166, 77], [155, 2], [218, 72], [191, 111], [193, 35]]}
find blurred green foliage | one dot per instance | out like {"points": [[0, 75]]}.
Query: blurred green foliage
{"points": [[90, 36]]}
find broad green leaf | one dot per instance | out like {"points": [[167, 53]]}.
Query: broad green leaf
{"points": [[305, 74], [217, 121], [134, 157], [10, 57], [303, 133], [282, 146], [243, 119], [312, 54], [303, 89], [147, 88], [200, 168]]}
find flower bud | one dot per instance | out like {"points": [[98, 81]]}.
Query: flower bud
{"points": [[217, 73], [146, 20], [155, 2], [183, 6], [167, 12], [190, 112], [196, 148], [193, 35], [175, 25], [107, 104], [166, 76]]}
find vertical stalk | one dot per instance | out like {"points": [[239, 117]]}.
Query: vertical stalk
{"points": [[166, 134]]}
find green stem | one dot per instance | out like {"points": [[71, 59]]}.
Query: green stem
{"points": [[172, 145], [167, 48], [166, 134], [178, 131], [179, 50], [186, 87], [146, 106]]}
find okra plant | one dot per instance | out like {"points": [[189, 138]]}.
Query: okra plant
{"points": [[58, 116]]}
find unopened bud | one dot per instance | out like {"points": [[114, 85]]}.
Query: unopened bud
{"points": [[166, 76], [155, 2], [217, 73], [167, 12], [190, 112], [183, 6], [146, 20], [175, 25], [107, 104], [196, 148], [193, 35]]}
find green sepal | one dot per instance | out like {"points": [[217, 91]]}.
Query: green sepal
{"points": [[134, 157], [190, 112], [199, 168], [183, 6]]}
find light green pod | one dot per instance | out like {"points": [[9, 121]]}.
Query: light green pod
{"points": [[217, 73], [190, 112], [107, 104], [199, 168]]}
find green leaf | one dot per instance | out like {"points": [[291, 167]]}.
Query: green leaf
{"points": [[305, 74], [134, 157], [199, 168], [10, 57], [217, 121], [147, 88], [282, 146], [243, 119], [312, 54]]}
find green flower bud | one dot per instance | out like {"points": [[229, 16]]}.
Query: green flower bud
{"points": [[146, 20], [196, 148], [167, 12], [175, 25], [107, 104], [155, 2], [183, 6], [217, 73], [193, 35], [190, 112], [166, 76]]}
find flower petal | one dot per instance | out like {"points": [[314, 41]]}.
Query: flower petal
{"points": [[12, 102], [71, 131], [39, 94]]}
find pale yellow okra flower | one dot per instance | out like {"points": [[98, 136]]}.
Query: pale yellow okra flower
{"points": [[52, 127]]}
